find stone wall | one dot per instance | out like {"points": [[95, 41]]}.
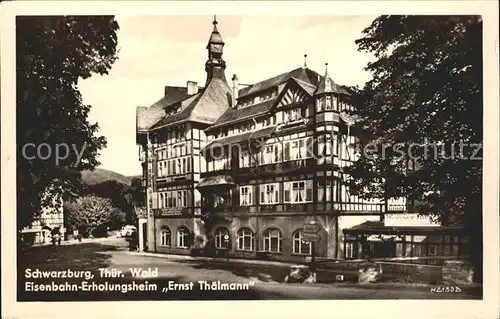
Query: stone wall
{"points": [[457, 272]]}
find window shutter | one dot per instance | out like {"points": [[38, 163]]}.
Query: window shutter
{"points": [[286, 186], [287, 151], [309, 190]]}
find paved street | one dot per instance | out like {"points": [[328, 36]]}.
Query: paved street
{"points": [[112, 254]]}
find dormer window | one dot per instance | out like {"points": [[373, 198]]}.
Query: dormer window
{"points": [[256, 99]]}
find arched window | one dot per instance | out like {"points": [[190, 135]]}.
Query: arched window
{"points": [[221, 241], [183, 237], [165, 238], [245, 239], [299, 245], [272, 240]]}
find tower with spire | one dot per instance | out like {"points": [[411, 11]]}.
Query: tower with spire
{"points": [[325, 92], [215, 65]]}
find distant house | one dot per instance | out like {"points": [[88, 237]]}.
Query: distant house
{"points": [[50, 218]]}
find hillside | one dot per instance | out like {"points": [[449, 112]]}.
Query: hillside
{"points": [[100, 175]]}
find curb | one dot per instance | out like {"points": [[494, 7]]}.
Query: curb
{"points": [[217, 260], [271, 263]]}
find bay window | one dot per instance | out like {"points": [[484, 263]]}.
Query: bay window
{"points": [[328, 105], [325, 191]]}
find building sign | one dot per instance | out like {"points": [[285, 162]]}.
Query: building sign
{"points": [[408, 220]]}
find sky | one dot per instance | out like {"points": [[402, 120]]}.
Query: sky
{"points": [[155, 51]]}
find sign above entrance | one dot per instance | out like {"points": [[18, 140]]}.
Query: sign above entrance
{"points": [[408, 220]]}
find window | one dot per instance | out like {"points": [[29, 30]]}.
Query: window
{"points": [[165, 237], [277, 153], [244, 160], [325, 191], [160, 201], [287, 154], [183, 237], [272, 240], [269, 194], [246, 195], [220, 238], [349, 250], [245, 239], [269, 155], [328, 105], [299, 245], [298, 192]]}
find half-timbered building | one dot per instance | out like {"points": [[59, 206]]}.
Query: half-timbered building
{"points": [[238, 170], [171, 134]]}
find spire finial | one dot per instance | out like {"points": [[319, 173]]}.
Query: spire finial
{"points": [[215, 20], [305, 60], [326, 69]]}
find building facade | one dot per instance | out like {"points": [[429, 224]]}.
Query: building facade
{"points": [[50, 219], [238, 170]]}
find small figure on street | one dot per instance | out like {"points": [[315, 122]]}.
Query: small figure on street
{"points": [[56, 238], [133, 241]]}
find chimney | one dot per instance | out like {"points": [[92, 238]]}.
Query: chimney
{"points": [[235, 89], [192, 87]]}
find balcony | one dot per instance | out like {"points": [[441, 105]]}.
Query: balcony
{"points": [[295, 166], [292, 123], [173, 180]]}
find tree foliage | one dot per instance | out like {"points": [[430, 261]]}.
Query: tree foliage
{"points": [[425, 97], [52, 54], [124, 197], [92, 212]]}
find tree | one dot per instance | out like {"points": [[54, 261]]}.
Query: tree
{"points": [[92, 213], [125, 197], [52, 54], [135, 195], [423, 102]]}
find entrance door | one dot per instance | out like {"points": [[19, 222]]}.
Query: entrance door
{"points": [[384, 249]]}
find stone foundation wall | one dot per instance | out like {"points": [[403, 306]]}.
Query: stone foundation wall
{"points": [[457, 272]]}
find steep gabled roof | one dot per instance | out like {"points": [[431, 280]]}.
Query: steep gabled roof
{"points": [[146, 117], [302, 74], [241, 114], [204, 107], [326, 85]]}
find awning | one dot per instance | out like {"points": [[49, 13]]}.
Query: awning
{"points": [[374, 238], [222, 180], [238, 139], [380, 237]]}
